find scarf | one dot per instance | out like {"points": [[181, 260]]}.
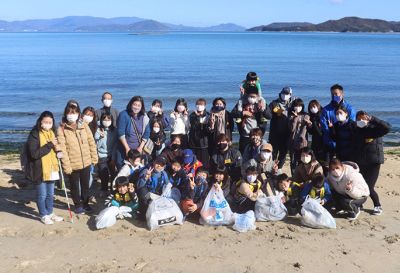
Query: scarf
{"points": [[219, 122], [49, 161]]}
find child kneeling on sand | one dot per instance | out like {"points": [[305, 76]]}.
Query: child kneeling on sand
{"points": [[317, 189], [291, 193], [196, 192], [124, 195], [247, 191]]}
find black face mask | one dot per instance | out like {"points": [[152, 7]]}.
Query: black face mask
{"points": [[222, 146], [175, 147]]}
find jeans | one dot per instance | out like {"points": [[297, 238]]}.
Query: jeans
{"points": [[45, 196]]}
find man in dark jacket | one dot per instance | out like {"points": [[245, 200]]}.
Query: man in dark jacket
{"points": [[252, 113], [279, 127], [107, 101], [199, 132], [368, 150]]}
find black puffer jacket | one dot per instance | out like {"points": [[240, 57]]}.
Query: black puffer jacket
{"points": [[368, 142], [199, 131], [35, 154]]}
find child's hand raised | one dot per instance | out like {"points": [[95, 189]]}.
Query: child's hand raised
{"points": [[131, 188], [349, 185], [192, 183]]}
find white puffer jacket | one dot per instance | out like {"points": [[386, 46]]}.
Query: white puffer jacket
{"points": [[351, 173]]}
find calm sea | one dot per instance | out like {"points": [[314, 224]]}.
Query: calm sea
{"points": [[41, 71]]}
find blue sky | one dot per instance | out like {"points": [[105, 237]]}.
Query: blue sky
{"points": [[204, 12]]}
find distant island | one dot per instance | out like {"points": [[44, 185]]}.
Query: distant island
{"points": [[346, 24], [99, 24], [140, 25]]}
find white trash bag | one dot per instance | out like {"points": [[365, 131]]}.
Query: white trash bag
{"points": [[216, 210], [107, 217], [269, 208], [162, 212], [314, 215], [245, 222]]}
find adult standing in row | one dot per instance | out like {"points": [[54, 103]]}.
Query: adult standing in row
{"points": [[43, 165], [328, 115], [133, 129], [79, 153], [107, 100]]}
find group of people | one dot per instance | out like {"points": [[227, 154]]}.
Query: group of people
{"points": [[137, 162]]}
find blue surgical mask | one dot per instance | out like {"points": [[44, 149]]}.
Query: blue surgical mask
{"points": [[337, 99]]}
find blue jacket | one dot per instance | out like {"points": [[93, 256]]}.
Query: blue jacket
{"points": [[328, 114], [125, 127], [327, 196], [155, 184]]}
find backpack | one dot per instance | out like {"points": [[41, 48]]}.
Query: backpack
{"points": [[25, 161]]}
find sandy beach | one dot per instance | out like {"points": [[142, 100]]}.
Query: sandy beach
{"points": [[369, 244]]}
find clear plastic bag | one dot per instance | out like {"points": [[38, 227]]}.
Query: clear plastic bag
{"points": [[107, 217], [162, 212], [269, 208], [314, 215], [216, 210], [245, 222]]}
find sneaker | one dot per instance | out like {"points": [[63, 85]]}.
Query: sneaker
{"points": [[92, 199], [354, 214], [377, 210], [47, 220], [79, 210], [88, 209], [56, 218]]}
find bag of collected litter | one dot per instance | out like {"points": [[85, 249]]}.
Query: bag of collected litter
{"points": [[269, 208], [314, 215], [216, 210], [245, 222], [162, 212], [107, 217]]}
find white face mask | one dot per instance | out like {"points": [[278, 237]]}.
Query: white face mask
{"points": [[298, 109], [136, 110], [107, 123], [265, 155], [251, 178], [107, 103], [200, 108], [306, 159], [336, 173], [252, 100], [341, 117], [156, 129], [155, 109], [72, 117], [46, 126], [361, 123], [87, 119], [314, 110], [181, 108], [285, 97]]}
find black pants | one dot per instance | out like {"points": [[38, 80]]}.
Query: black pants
{"points": [[280, 149], [346, 203], [243, 141], [203, 156], [76, 179], [294, 160], [106, 170], [144, 201], [370, 173], [243, 206]]}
